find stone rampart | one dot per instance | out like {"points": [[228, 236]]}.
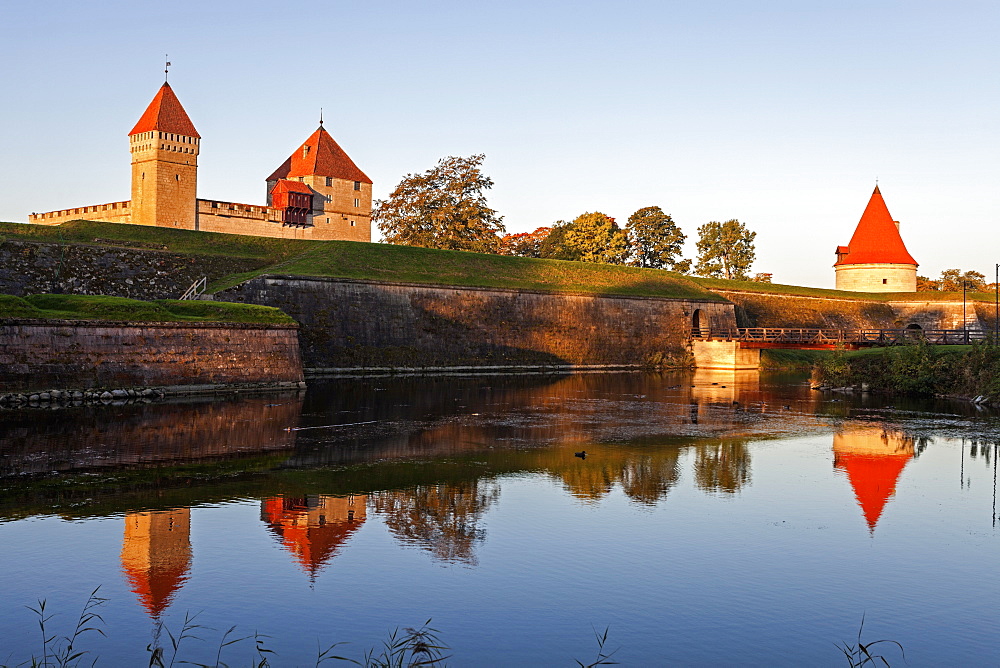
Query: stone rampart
{"points": [[759, 309], [352, 324], [57, 354], [139, 273]]}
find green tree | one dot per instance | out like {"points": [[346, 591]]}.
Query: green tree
{"points": [[445, 207], [952, 279], [725, 250], [656, 240], [598, 238], [554, 246]]}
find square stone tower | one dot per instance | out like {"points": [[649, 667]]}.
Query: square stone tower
{"points": [[164, 146], [341, 192]]}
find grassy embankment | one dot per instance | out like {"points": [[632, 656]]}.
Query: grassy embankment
{"points": [[87, 307], [371, 261]]}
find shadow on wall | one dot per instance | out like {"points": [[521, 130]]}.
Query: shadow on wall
{"points": [[356, 324]]}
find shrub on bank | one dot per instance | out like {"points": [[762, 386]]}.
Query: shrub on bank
{"points": [[919, 369]]}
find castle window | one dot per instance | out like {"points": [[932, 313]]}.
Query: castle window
{"points": [[177, 177], [357, 202], [357, 185], [352, 223], [329, 181], [305, 151], [327, 221], [885, 281]]}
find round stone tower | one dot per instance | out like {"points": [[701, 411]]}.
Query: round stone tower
{"points": [[876, 259]]}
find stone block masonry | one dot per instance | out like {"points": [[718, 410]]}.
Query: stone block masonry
{"points": [[46, 354], [138, 273], [362, 324]]}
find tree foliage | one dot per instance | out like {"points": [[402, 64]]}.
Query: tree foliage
{"points": [[524, 244], [598, 238], [725, 250], [656, 240], [445, 207], [952, 279], [555, 247]]}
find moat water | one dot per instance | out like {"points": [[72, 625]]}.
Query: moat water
{"points": [[716, 519]]}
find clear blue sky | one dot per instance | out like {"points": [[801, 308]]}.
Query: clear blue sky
{"points": [[778, 113]]}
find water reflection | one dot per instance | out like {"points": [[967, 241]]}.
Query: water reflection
{"points": [[443, 519], [98, 437], [156, 556], [873, 458], [722, 467], [313, 527]]}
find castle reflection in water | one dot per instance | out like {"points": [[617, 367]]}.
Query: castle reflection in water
{"points": [[433, 463]]}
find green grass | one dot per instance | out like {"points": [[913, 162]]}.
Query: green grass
{"points": [[90, 307], [790, 359], [933, 351], [159, 238], [346, 259]]}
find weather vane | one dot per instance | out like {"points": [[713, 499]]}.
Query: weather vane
{"points": [[166, 69], [321, 116]]}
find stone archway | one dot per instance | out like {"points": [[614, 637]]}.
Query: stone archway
{"points": [[699, 326]]}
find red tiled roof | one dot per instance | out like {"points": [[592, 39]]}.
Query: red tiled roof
{"points": [[165, 114], [320, 155], [876, 240], [284, 185]]}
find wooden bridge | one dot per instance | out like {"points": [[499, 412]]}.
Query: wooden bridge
{"points": [[828, 339]]}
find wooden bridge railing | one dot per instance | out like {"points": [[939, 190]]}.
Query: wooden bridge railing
{"points": [[862, 337]]}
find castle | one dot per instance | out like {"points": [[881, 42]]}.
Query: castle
{"points": [[317, 193], [876, 259]]}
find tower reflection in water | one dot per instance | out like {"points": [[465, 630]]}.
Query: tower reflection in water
{"points": [[873, 458], [313, 527], [156, 555]]}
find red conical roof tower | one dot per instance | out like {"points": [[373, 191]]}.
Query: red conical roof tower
{"points": [[876, 239], [166, 114]]}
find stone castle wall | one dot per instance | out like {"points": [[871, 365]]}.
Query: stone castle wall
{"points": [[114, 212], [350, 324], [37, 268], [39, 355], [758, 309]]}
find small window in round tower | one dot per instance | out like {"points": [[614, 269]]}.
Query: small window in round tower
{"points": [[885, 281], [177, 177]]}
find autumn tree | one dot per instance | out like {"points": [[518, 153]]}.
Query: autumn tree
{"points": [[597, 238], [925, 284], [445, 207], [656, 240], [725, 250], [952, 279], [524, 244]]}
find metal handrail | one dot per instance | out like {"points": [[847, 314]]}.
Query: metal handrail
{"points": [[832, 336], [197, 288]]}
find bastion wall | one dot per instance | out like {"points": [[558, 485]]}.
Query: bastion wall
{"points": [[756, 309], [138, 273], [70, 354], [351, 324]]}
